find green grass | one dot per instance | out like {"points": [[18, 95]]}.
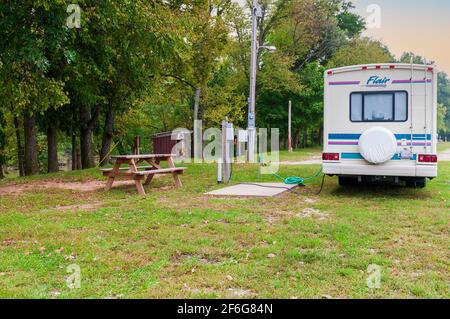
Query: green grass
{"points": [[301, 154], [181, 243], [443, 146]]}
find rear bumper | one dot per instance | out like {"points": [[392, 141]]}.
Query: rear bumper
{"points": [[388, 169]]}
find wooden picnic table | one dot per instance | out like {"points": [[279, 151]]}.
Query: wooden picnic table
{"points": [[139, 173]]}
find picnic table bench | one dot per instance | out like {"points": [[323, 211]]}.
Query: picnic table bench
{"points": [[139, 173]]}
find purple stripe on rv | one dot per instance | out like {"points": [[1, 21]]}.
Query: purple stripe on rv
{"points": [[345, 83], [357, 143], [343, 143], [399, 143], [413, 81], [416, 144]]}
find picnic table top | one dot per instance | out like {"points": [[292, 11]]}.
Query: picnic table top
{"points": [[142, 156]]}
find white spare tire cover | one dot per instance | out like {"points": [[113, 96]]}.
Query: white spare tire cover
{"points": [[377, 145]]}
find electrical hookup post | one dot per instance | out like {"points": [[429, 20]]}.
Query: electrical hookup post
{"points": [[225, 162], [233, 150]]}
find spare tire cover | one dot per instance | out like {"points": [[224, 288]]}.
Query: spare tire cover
{"points": [[377, 145]]}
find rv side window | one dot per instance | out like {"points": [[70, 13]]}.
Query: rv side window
{"points": [[357, 105], [379, 106]]}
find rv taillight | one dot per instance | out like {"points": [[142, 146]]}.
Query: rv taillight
{"points": [[392, 67], [424, 158], [330, 72], [364, 67], [430, 69], [330, 156], [378, 67]]}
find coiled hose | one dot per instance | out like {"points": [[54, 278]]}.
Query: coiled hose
{"points": [[294, 180]]}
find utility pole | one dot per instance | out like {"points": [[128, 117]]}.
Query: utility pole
{"points": [[198, 129], [256, 13], [252, 96], [289, 127], [198, 92]]}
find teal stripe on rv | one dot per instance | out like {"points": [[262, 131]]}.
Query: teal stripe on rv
{"points": [[358, 156], [415, 137]]}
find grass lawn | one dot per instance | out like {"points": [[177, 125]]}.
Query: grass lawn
{"points": [[181, 243], [443, 146], [301, 154]]}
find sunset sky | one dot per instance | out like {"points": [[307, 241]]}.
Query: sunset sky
{"points": [[420, 26]]}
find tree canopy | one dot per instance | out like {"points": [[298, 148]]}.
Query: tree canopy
{"points": [[75, 90]]}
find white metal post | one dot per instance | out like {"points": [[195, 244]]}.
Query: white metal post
{"points": [[252, 96], [224, 152], [289, 127]]}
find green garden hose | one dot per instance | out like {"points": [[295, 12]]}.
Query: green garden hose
{"points": [[294, 180]]}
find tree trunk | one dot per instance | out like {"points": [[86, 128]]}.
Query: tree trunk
{"points": [[79, 166], [75, 153], [296, 138], [52, 150], [86, 144], [31, 155], [320, 135], [108, 133], [86, 148], [305, 138], [198, 93], [2, 175], [19, 147]]}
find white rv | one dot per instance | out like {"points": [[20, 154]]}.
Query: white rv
{"points": [[380, 123]]}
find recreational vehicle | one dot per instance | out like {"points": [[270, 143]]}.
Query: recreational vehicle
{"points": [[380, 123]]}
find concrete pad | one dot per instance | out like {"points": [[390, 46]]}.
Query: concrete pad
{"points": [[253, 190]]}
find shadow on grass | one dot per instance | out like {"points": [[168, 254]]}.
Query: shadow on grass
{"points": [[380, 190]]}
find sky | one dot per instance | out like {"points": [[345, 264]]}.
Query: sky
{"points": [[420, 26]]}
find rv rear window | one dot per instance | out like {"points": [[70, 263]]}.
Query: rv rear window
{"points": [[379, 106]]}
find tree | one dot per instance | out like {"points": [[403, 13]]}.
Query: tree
{"points": [[444, 101], [351, 23], [140, 44], [205, 38], [3, 143], [361, 51], [441, 119], [417, 59], [307, 34], [26, 57]]}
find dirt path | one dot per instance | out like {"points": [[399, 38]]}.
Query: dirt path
{"points": [[88, 186]]}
